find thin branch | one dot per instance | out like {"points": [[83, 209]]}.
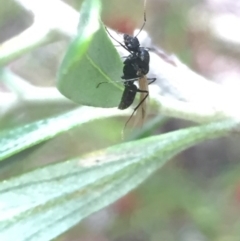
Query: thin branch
{"points": [[54, 15], [48, 26], [28, 40], [25, 97]]}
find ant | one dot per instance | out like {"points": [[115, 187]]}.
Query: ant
{"points": [[136, 66], [135, 69]]}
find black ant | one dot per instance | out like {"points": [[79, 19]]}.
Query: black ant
{"points": [[136, 66], [135, 69]]}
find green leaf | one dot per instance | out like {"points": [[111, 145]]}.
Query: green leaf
{"points": [[21, 138], [42, 204], [91, 59]]}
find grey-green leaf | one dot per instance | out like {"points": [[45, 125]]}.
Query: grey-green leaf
{"points": [[46, 202], [91, 59], [21, 138]]}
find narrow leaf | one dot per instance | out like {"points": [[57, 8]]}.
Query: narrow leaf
{"points": [[42, 204], [20, 138]]}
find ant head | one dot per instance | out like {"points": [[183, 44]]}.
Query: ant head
{"points": [[131, 42]]}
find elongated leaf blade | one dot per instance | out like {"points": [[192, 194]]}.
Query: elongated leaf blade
{"points": [[45, 202], [21, 138]]}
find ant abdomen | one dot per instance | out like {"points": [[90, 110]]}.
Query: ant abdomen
{"points": [[128, 96]]}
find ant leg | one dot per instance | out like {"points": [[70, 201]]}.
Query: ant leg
{"points": [[152, 80], [124, 81], [139, 104], [129, 80], [144, 18], [101, 83], [135, 79]]}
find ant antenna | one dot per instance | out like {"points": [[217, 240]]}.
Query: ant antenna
{"points": [[144, 18], [116, 40]]}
